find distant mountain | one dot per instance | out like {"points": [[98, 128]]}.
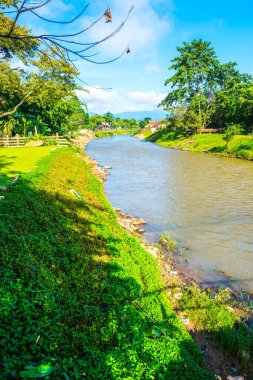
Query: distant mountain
{"points": [[139, 115]]}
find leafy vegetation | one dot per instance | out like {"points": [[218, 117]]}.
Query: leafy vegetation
{"points": [[239, 146], [205, 93], [51, 104], [79, 296], [115, 123], [215, 315]]}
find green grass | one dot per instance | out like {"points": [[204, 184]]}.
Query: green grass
{"points": [[80, 298], [212, 312], [15, 161], [239, 146]]}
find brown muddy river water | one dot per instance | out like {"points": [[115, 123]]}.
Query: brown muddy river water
{"points": [[204, 202]]}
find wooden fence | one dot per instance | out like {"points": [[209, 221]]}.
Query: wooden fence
{"points": [[12, 141], [8, 142]]}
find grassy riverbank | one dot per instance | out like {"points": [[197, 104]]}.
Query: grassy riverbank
{"points": [[15, 161], [238, 146], [78, 294]]}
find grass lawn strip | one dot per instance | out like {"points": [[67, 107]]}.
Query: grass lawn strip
{"points": [[79, 296], [15, 161], [239, 146]]}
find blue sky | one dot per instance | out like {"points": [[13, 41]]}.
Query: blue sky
{"points": [[153, 31]]}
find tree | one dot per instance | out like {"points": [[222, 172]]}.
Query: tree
{"points": [[52, 104], [96, 120], [108, 117], [18, 41], [195, 81], [233, 100], [205, 92]]}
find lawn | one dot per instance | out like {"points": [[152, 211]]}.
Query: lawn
{"points": [[15, 161]]}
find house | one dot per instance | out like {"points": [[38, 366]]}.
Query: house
{"points": [[103, 127], [154, 125]]}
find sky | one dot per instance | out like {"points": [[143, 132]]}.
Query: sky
{"points": [[153, 31]]}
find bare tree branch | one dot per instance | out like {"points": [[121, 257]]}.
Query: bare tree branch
{"points": [[37, 6], [16, 18], [64, 41], [62, 22], [62, 46]]}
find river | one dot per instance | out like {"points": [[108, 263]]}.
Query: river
{"points": [[204, 202]]}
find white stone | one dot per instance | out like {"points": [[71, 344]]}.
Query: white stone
{"points": [[178, 296]]}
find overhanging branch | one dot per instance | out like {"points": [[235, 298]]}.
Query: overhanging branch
{"points": [[16, 107]]}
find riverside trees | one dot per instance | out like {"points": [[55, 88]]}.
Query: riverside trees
{"points": [[205, 92], [44, 92]]}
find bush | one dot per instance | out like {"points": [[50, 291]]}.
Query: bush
{"points": [[232, 130]]}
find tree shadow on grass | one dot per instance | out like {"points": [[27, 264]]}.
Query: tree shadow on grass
{"points": [[218, 149], [66, 301], [5, 173]]}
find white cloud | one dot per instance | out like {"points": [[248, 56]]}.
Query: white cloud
{"points": [[150, 98], [152, 68], [53, 9], [142, 31], [115, 101]]}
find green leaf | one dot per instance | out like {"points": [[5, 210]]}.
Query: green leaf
{"points": [[40, 371], [156, 332]]}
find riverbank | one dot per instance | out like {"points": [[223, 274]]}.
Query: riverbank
{"points": [[216, 318], [80, 297], [239, 146]]}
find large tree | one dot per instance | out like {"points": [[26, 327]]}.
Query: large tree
{"points": [[195, 80], [205, 92], [233, 100]]}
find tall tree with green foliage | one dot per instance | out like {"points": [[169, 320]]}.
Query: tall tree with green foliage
{"points": [[233, 100], [195, 80], [205, 92]]}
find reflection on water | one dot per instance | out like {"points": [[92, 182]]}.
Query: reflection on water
{"points": [[205, 202]]}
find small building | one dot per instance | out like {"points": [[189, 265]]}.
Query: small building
{"points": [[103, 127], [154, 125]]}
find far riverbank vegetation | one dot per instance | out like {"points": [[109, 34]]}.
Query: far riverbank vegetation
{"points": [[209, 105]]}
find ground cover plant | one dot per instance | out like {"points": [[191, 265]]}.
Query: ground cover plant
{"points": [[238, 146], [80, 298], [15, 161], [215, 313]]}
